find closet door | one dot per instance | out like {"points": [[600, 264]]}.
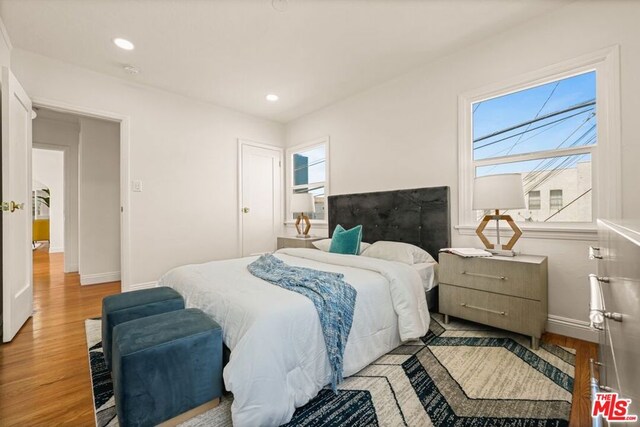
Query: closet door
{"points": [[260, 197]]}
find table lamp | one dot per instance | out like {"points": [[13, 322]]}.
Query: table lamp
{"points": [[496, 192], [301, 203]]}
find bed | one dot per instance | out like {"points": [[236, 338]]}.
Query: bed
{"points": [[278, 356]]}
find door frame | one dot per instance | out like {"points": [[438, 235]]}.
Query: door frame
{"points": [[65, 190], [247, 142], [125, 173]]}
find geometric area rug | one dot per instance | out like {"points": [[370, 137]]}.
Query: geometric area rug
{"points": [[460, 374]]}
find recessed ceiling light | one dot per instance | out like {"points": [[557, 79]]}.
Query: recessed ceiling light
{"points": [[272, 98], [123, 44]]}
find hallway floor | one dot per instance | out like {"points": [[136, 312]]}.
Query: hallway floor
{"points": [[44, 371]]}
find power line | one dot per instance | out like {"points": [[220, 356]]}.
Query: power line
{"points": [[529, 125], [535, 117], [566, 163], [544, 164], [546, 116], [531, 130], [308, 165], [567, 205]]}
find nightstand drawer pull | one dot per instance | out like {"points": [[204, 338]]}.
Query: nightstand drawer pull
{"points": [[501, 313], [488, 276]]}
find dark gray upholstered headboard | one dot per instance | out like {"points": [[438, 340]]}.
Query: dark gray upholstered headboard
{"points": [[419, 216]]}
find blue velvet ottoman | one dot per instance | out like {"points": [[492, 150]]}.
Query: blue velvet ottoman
{"points": [[117, 309], [166, 365]]}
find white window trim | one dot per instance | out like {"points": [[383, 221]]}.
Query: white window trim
{"points": [[606, 172], [323, 223]]}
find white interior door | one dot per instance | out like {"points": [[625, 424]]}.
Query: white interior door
{"points": [[17, 273], [260, 198]]}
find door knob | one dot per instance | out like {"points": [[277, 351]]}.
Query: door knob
{"points": [[11, 206], [245, 210]]}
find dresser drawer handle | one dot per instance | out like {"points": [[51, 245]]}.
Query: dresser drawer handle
{"points": [[488, 276], [613, 316], [501, 313], [594, 253]]}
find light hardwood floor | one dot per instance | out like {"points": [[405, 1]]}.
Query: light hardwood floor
{"points": [[44, 372]]}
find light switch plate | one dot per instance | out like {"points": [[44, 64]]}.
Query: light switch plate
{"points": [[136, 185]]}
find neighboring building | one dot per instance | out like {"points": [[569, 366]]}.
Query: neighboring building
{"points": [[564, 197]]}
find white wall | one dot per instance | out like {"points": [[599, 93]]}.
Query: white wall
{"points": [[5, 46], [48, 169], [59, 135], [99, 201], [403, 134], [184, 151]]}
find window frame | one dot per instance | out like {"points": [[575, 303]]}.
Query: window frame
{"points": [[539, 200], [605, 155], [289, 187], [553, 199]]}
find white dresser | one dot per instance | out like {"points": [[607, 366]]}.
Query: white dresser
{"points": [[618, 302]]}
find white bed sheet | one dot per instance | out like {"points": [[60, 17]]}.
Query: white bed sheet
{"points": [[428, 272], [279, 360]]}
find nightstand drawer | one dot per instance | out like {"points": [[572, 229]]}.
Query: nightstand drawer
{"points": [[501, 311], [497, 275]]}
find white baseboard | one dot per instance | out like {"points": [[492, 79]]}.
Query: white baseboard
{"points": [[138, 286], [571, 328], [56, 250], [93, 279]]}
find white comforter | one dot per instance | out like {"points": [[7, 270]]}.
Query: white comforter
{"points": [[279, 360]]}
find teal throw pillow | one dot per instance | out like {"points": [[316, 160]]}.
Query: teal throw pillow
{"points": [[346, 241]]}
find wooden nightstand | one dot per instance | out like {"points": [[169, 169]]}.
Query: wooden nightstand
{"points": [[505, 292], [297, 242]]}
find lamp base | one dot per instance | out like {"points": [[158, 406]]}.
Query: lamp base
{"points": [[502, 252], [497, 217], [305, 233]]}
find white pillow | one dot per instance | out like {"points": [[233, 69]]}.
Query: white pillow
{"points": [[398, 251], [325, 244]]}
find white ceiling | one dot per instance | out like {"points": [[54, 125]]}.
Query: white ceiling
{"points": [[234, 52]]}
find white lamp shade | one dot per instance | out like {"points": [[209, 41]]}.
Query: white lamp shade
{"points": [[302, 202], [498, 192]]}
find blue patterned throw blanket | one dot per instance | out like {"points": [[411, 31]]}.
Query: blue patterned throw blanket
{"points": [[334, 299]]}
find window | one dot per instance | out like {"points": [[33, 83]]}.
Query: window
{"points": [[534, 200], [555, 200], [547, 133], [309, 173], [546, 126]]}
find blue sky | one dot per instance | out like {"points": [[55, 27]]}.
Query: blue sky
{"points": [[499, 113]]}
